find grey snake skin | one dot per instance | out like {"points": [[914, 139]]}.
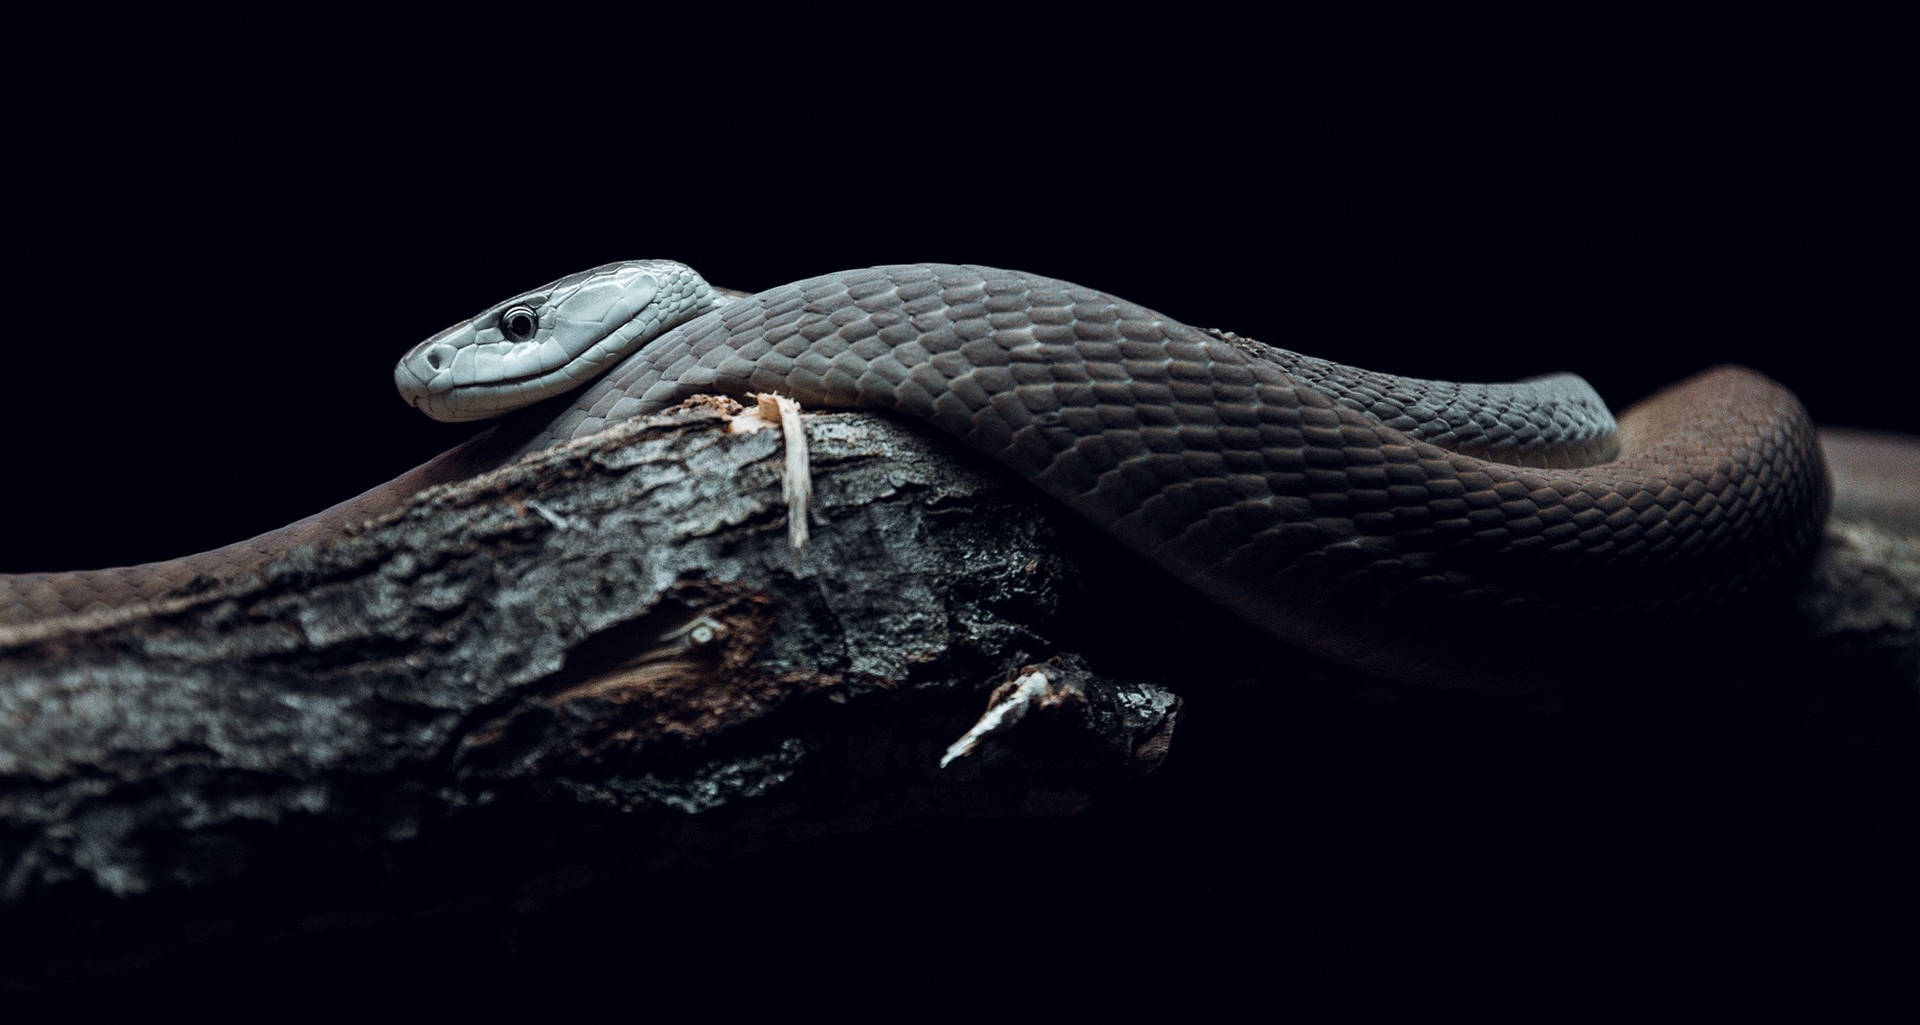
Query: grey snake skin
{"points": [[1404, 527]]}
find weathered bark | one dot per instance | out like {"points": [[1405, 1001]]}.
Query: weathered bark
{"points": [[614, 635], [608, 653]]}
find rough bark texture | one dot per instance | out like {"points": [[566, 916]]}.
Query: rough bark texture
{"points": [[603, 665]]}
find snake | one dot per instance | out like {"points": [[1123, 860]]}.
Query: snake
{"points": [[1398, 525]]}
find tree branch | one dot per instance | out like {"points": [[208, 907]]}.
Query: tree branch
{"points": [[610, 651]]}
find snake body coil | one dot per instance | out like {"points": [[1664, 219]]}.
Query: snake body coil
{"points": [[1388, 523]]}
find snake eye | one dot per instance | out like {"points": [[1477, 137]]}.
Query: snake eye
{"points": [[518, 323]]}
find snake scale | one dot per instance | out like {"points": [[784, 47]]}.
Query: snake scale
{"points": [[1388, 523]]}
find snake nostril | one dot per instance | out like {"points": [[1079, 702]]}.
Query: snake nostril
{"points": [[438, 358]]}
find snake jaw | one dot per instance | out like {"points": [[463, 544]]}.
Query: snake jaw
{"points": [[586, 322]]}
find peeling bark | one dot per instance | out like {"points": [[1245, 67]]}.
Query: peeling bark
{"points": [[608, 653]]}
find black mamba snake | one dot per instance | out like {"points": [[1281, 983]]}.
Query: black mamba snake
{"points": [[1385, 522]]}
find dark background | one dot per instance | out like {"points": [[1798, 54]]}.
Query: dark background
{"points": [[213, 264]]}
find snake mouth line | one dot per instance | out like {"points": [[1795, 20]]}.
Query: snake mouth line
{"points": [[509, 385], [465, 403], [546, 381]]}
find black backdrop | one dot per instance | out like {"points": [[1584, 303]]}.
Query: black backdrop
{"points": [[209, 278]]}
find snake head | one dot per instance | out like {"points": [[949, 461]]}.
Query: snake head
{"points": [[550, 340]]}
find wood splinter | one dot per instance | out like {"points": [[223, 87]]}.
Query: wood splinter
{"points": [[796, 489]]}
